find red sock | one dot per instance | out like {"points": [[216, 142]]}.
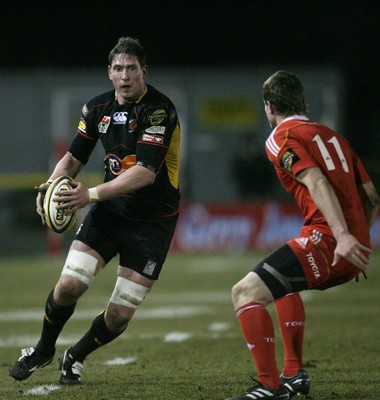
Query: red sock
{"points": [[257, 327], [291, 318]]}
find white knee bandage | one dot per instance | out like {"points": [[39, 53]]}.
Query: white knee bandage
{"points": [[81, 266], [128, 294]]}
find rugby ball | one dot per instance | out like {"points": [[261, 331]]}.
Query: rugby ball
{"points": [[56, 220]]}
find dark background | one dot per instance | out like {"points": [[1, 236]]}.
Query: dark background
{"points": [[200, 34]]}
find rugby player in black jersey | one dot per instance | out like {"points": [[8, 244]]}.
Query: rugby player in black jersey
{"points": [[134, 215]]}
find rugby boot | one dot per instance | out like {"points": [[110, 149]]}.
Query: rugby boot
{"points": [[28, 363], [262, 392], [71, 370], [297, 384]]}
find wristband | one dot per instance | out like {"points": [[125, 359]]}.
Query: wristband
{"points": [[94, 195]]}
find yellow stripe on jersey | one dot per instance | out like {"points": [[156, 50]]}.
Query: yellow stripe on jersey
{"points": [[172, 158]]}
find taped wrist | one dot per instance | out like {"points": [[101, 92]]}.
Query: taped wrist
{"points": [[93, 194]]}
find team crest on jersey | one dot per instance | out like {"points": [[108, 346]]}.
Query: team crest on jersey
{"points": [[289, 159], [132, 125], [104, 124], [117, 165], [157, 117]]}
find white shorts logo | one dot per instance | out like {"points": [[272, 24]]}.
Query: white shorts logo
{"points": [[302, 241], [316, 237], [149, 267]]}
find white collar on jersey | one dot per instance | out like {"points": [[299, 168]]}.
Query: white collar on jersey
{"points": [[300, 117]]}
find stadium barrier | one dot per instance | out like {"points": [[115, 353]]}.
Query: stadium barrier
{"points": [[202, 227], [239, 227]]}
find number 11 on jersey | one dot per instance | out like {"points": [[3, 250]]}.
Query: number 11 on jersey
{"points": [[326, 155]]}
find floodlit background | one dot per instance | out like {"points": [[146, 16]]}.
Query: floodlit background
{"points": [[211, 58]]}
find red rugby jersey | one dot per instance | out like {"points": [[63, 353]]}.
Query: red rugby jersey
{"points": [[298, 143]]}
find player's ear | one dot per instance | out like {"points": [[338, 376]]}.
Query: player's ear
{"points": [[145, 70], [270, 106]]}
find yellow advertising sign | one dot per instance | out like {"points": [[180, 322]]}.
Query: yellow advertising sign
{"points": [[228, 111]]}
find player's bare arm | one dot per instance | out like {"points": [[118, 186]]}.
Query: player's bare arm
{"points": [[68, 165], [325, 198], [370, 200], [130, 180]]}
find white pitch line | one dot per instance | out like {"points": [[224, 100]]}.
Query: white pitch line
{"points": [[121, 361], [164, 312], [176, 337], [41, 390], [219, 326], [68, 340]]}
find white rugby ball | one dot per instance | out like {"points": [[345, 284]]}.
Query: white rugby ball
{"points": [[56, 219]]}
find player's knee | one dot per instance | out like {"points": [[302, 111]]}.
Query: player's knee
{"points": [[117, 317], [80, 266], [238, 291], [251, 288], [68, 290]]}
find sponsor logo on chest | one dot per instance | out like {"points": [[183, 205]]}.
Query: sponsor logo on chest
{"points": [[120, 117], [152, 138], [156, 130]]}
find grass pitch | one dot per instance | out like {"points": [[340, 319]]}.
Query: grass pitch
{"points": [[185, 342]]}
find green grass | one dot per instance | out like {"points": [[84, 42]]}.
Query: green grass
{"points": [[341, 340]]}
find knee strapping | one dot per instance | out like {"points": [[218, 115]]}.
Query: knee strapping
{"points": [[128, 294], [81, 266]]}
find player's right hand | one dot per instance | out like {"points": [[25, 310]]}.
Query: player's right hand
{"points": [[41, 189], [349, 248]]}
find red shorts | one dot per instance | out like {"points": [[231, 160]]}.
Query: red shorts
{"points": [[315, 252]]}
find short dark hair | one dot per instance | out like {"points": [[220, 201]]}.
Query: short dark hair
{"points": [[131, 46], [285, 91]]}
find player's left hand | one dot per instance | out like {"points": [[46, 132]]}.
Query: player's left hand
{"points": [[41, 189], [73, 199], [349, 248]]}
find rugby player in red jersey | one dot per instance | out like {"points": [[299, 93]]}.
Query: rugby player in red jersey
{"points": [[339, 203]]}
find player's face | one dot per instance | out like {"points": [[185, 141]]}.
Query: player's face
{"points": [[128, 77], [269, 111]]}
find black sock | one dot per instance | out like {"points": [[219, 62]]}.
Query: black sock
{"points": [[55, 318], [96, 337]]}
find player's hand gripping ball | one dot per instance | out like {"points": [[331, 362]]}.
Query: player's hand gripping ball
{"points": [[58, 220]]}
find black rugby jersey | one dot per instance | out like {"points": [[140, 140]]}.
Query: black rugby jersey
{"points": [[145, 132]]}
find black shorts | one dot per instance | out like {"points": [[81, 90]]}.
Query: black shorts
{"points": [[141, 245], [282, 272]]}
